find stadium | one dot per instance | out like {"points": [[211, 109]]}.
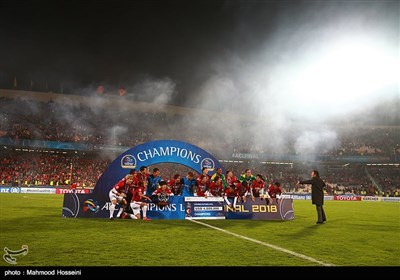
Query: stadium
{"points": [[362, 178], [59, 140]]}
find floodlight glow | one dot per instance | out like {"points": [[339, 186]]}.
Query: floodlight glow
{"points": [[349, 71]]}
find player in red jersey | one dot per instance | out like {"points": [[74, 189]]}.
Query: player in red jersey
{"points": [[202, 186], [162, 194], [139, 202], [142, 176], [204, 171], [243, 190], [275, 192], [175, 184], [216, 188], [257, 187], [231, 178], [231, 196], [118, 194]]}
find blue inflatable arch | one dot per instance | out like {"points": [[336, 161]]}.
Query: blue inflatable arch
{"points": [[150, 153]]}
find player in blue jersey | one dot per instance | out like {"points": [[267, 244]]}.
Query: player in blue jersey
{"points": [[188, 184]]}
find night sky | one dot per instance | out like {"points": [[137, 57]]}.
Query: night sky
{"points": [[115, 42], [80, 44]]}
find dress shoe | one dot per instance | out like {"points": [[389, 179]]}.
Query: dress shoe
{"points": [[319, 222]]}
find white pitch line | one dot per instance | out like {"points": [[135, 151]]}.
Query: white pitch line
{"points": [[265, 244]]}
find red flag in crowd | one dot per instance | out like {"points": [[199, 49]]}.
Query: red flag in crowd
{"points": [[100, 89], [122, 91]]}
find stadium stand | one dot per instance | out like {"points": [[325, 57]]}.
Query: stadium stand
{"points": [[43, 134]]}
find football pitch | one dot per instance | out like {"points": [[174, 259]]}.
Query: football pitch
{"points": [[356, 234]]}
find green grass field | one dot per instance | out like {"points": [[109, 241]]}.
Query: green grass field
{"points": [[356, 234]]}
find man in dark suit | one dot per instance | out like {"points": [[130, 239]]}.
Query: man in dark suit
{"points": [[317, 194]]}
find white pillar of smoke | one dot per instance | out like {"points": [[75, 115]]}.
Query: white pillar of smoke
{"points": [[156, 91], [333, 63], [115, 134]]}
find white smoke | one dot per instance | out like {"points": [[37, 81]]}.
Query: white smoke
{"points": [[157, 91], [328, 62], [115, 133], [312, 142]]}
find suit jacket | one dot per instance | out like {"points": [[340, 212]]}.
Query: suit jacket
{"points": [[317, 190]]}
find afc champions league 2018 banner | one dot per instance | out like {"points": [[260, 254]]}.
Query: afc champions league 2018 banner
{"points": [[97, 203], [161, 151]]}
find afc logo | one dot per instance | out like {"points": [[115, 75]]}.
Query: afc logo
{"points": [[128, 161], [208, 163]]}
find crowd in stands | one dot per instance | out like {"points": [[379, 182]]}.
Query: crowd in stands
{"points": [[79, 124], [50, 121], [44, 169]]}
